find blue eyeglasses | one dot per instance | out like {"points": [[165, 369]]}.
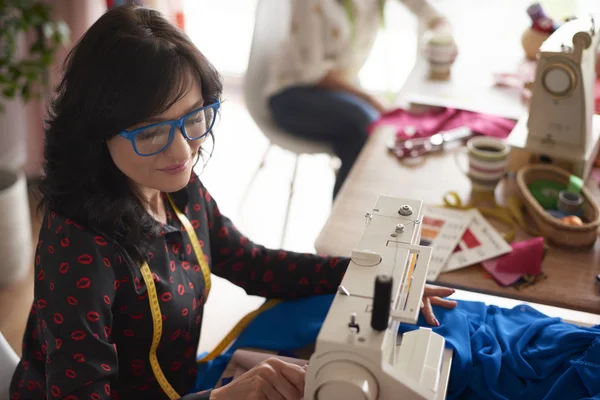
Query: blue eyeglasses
{"points": [[152, 139]]}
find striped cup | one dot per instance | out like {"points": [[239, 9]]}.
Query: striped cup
{"points": [[487, 162]]}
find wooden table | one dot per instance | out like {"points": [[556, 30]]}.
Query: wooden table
{"points": [[485, 47], [570, 275]]}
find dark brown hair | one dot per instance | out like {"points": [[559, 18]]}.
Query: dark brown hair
{"points": [[130, 65]]}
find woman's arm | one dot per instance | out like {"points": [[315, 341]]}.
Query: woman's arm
{"points": [[425, 11], [73, 294], [266, 272]]}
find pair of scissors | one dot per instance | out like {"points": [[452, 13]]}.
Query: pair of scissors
{"points": [[418, 147]]}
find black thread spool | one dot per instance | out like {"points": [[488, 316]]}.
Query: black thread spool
{"points": [[382, 299]]}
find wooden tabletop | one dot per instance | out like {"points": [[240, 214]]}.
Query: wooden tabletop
{"points": [[570, 275]]}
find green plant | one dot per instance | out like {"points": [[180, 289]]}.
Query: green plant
{"points": [[24, 72]]}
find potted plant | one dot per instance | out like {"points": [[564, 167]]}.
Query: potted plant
{"points": [[29, 39]]}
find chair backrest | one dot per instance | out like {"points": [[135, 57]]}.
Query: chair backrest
{"points": [[271, 28], [8, 364]]}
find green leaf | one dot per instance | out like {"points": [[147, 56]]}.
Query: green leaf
{"points": [[26, 91], [9, 92], [32, 18]]}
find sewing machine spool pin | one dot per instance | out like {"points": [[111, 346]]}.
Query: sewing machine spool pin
{"points": [[343, 290]]}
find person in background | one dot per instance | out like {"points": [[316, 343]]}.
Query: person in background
{"points": [[128, 124], [312, 91]]}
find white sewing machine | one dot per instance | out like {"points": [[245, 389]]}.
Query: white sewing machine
{"points": [[359, 353], [561, 127]]}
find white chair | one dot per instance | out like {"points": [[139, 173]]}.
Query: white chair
{"points": [[271, 27], [8, 364]]}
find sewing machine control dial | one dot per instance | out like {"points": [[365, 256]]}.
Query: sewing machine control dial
{"points": [[558, 79], [341, 380], [405, 210]]}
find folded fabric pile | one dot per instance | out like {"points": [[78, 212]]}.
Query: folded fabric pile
{"points": [[499, 353]]}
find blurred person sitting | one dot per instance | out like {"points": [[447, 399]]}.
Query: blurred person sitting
{"points": [[313, 91]]}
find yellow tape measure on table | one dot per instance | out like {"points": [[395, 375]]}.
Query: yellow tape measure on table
{"points": [[511, 215], [155, 306]]}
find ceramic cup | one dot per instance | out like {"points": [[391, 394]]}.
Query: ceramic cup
{"points": [[487, 162], [440, 51], [15, 227]]}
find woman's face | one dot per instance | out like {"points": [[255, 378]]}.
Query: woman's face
{"points": [[169, 170]]}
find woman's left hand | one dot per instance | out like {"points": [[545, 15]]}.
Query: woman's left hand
{"points": [[434, 296]]}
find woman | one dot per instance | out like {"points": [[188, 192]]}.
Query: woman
{"points": [[312, 88], [136, 102]]}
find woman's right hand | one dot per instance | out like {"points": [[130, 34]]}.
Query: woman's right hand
{"points": [[272, 379]]}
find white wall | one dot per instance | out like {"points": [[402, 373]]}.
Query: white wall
{"points": [[222, 29]]}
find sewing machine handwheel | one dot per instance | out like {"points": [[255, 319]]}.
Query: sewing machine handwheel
{"points": [[342, 380], [382, 299]]}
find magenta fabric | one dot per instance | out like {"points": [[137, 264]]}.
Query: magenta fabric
{"points": [[429, 123], [525, 259]]}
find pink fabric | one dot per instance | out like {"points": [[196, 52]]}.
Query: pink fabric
{"points": [[597, 96], [429, 123], [525, 259], [596, 175]]}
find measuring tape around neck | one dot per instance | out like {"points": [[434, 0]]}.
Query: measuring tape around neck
{"points": [[155, 306]]}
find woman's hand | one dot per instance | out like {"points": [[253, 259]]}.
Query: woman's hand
{"points": [[441, 24], [272, 379], [433, 295]]}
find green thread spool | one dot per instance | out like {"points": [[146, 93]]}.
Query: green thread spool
{"points": [[575, 184], [545, 192]]}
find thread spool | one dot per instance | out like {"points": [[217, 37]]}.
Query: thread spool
{"points": [[569, 202], [382, 300], [540, 21], [545, 192]]}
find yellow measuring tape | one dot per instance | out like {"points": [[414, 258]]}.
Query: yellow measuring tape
{"points": [[195, 244], [237, 330], [157, 322], [155, 306], [511, 215], [157, 315]]}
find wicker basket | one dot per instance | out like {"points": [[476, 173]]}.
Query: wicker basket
{"points": [[558, 232]]}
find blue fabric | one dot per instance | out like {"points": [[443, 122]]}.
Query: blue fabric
{"points": [[286, 327], [499, 353], [336, 117]]}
